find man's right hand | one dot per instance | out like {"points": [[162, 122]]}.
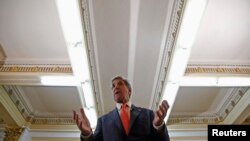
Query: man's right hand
{"points": [[82, 122]]}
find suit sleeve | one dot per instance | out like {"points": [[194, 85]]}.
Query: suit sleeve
{"points": [[159, 135], [98, 134]]}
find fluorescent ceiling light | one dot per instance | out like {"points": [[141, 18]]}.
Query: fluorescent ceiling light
{"points": [[169, 94], [59, 81], [92, 116], [216, 81], [198, 81], [79, 62], [69, 14], [70, 17], [88, 94], [188, 29], [178, 64], [190, 23], [234, 81]]}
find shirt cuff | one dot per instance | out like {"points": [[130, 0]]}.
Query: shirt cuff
{"points": [[158, 128], [86, 137]]}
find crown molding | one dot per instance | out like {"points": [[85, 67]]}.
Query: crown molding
{"points": [[11, 107], [27, 111], [36, 68], [217, 69], [215, 117], [174, 27], [89, 31]]}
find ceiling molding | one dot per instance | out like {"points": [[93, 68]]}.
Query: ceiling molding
{"points": [[89, 32], [26, 74], [25, 108], [11, 107], [49, 68], [211, 117], [218, 69], [247, 121], [239, 110], [175, 22]]}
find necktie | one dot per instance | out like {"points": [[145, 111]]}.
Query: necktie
{"points": [[124, 117]]}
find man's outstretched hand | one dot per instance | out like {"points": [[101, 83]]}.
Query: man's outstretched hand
{"points": [[161, 113], [82, 122]]}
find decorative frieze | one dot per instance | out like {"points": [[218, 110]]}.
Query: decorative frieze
{"points": [[224, 69], [213, 118], [194, 120], [36, 68]]}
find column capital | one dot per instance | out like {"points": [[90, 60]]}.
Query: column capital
{"points": [[12, 133]]}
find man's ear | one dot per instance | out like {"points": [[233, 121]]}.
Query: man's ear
{"points": [[129, 92]]}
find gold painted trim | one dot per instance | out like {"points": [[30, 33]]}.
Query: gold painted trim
{"points": [[12, 133], [36, 68], [218, 70]]}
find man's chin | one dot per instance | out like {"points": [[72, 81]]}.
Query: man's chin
{"points": [[117, 99]]}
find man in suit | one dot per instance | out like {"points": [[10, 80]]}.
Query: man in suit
{"points": [[126, 122]]}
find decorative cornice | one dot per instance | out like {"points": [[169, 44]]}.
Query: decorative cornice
{"points": [[28, 113], [17, 98], [2, 121], [52, 121], [91, 54], [176, 18], [194, 120], [10, 107], [211, 118], [231, 102], [247, 121], [218, 69], [10, 68]]}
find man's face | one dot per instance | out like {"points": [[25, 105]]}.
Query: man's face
{"points": [[120, 91]]}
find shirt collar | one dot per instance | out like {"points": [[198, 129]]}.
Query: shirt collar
{"points": [[118, 105]]}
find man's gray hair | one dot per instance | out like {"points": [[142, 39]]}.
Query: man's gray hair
{"points": [[124, 80]]}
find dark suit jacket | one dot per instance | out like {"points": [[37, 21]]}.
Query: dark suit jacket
{"points": [[109, 127]]}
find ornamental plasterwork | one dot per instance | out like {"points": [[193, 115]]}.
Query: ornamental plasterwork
{"points": [[36, 68], [175, 22], [91, 51], [12, 133], [247, 121], [218, 69], [28, 112], [2, 121], [212, 118]]}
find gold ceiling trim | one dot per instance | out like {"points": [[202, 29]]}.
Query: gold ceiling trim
{"points": [[2, 121], [239, 69], [52, 121], [36, 68], [12, 133], [213, 118], [247, 121]]}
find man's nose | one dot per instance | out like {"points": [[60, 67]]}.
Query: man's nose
{"points": [[115, 86]]}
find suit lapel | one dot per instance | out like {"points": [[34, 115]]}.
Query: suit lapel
{"points": [[133, 115], [117, 120]]}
